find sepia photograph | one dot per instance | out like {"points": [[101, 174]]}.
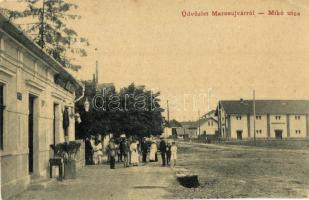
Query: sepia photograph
{"points": [[154, 99]]}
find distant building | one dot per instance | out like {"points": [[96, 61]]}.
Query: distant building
{"points": [[172, 129], [36, 109], [208, 126], [274, 119], [189, 129]]}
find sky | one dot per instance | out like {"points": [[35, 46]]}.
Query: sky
{"points": [[196, 61]]}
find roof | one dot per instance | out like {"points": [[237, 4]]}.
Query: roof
{"points": [[203, 120], [189, 124], [8, 27], [209, 113], [173, 123], [266, 106]]}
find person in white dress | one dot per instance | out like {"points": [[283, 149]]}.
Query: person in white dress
{"points": [[153, 152], [134, 153], [174, 153], [98, 153]]}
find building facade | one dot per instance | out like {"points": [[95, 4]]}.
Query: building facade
{"points": [[273, 119], [208, 126], [36, 92]]}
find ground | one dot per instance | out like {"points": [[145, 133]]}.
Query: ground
{"points": [[224, 171], [100, 182], [230, 171]]}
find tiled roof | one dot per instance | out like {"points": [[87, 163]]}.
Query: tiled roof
{"points": [[266, 106]]}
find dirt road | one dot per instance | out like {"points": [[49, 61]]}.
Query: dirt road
{"points": [[241, 171]]}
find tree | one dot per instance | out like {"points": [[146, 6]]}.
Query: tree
{"points": [[142, 114], [133, 110], [50, 31]]}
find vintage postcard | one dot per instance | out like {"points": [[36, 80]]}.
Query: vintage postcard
{"points": [[154, 99]]}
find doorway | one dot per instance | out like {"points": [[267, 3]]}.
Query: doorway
{"points": [[239, 135], [31, 133], [55, 139], [278, 134]]}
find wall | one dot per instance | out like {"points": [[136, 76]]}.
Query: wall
{"points": [[222, 123], [278, 124], [260, 125], [24, 73], [239, 125], [297, 124], [209, 128]]}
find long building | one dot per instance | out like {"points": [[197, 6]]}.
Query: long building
{"points": [[274, 119], [36, 94]]}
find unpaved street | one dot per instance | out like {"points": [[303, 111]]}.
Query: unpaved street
{"points": [[224, 171], [239, 171]]}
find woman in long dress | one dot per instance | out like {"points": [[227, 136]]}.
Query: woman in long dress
{"points": [[134, 153], [153, 152]]}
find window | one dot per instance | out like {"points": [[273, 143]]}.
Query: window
{"points": [[258, 132], [238, 117], [297, 117], [2, 106], [208, 123], [212, 123], [297, 131], [258, 117], [278, 117]]}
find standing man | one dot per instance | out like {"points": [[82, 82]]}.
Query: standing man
{"points": [[144, 148], [88, 151], [168, 153], [163, 150], [111, 149], [126, 151]]}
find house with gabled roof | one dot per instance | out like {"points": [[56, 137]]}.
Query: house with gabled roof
{"points": [[273, 119], [208, 126]]}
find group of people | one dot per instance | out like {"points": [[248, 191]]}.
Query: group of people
{"points": [[128, 151]]}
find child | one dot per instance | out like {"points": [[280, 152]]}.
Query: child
{"points": [[174, 153]]}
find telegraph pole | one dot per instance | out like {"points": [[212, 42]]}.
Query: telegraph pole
{"points": [[254, 117], [168, 112], [199, 123]]}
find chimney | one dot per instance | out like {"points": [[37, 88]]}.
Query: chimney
{"points": [[97, 72]]}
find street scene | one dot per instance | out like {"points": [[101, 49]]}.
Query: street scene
{"points": [[225, 171], [153, 99]]}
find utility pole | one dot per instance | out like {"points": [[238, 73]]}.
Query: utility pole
{"points": [[199, 123], [254, 117], [168, 112], [96, 80]]}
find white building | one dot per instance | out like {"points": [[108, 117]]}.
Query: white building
{"points": [[35, 91], [274, 119], [208, 124]]}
